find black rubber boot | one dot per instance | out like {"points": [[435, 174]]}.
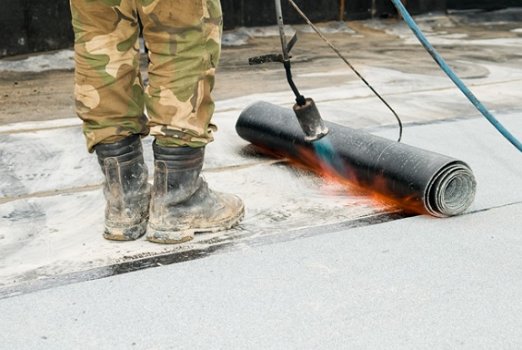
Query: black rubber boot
{"points": [[181, 203], [126, 189]]}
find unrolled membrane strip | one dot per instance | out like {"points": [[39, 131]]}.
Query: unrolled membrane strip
{"points": [[417, 179]]}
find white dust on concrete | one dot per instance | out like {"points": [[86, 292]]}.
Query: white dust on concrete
{"points": [[456, 41], [242, 35], [434, 29], [38, 125], [58, 60], [60, 233]]}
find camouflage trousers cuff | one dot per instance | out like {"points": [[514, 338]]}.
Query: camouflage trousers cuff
{"points": [[166, 141]]}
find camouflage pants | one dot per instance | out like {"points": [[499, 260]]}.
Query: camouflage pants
{"points": [[183, 38]]}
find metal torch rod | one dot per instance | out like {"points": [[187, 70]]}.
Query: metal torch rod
{"points": [[300, 99], [281, 24]]}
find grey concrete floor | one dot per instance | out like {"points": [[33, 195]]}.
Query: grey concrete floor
{"points": [[313, 265]]}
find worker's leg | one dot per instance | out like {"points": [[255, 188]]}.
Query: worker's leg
{"points": [[108, 90], [109, 99], [184, 39]]}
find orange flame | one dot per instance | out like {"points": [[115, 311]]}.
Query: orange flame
{"points": [[377, 190]]}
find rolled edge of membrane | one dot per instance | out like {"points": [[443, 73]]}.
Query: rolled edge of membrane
{"points": [[451, 191]]}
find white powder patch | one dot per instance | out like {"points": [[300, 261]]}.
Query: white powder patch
{"points": [[456, 41], [327, 28], [62, 233], [235, 38], [242, 35], [50, 61], [44, 124]]}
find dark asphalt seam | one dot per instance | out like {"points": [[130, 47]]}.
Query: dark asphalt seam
{"points": [[492, 208], [226, 243]]}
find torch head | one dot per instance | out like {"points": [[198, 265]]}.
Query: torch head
{"points": [[310, 120]]}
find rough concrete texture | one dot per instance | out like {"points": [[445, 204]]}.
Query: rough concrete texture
{"points": [[292, 275]]}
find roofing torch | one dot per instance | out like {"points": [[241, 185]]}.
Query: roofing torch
{"points": [[305, 109]]}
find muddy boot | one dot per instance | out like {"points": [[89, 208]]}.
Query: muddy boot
{"points": [[182, 204], [126, 189]]}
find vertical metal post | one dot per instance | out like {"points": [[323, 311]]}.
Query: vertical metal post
{"points": [[342, 7], [281, 24]]}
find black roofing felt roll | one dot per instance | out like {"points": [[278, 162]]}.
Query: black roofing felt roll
{"points": [[417, 179]]}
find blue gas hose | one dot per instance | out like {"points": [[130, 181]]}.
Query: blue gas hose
{"points": [[451, 74]]}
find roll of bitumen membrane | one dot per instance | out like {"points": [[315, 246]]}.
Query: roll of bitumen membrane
{"points": [[415, 179]]}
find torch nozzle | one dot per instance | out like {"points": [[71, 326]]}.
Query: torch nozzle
{"points": [[310, 120]]}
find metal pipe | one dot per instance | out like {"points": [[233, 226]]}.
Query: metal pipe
{"points": [[281, 24], [419, 180]]}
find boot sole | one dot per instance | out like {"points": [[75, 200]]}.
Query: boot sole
{"points": [[121, 234], [182, 236]]}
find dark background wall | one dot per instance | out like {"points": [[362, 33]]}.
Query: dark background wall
{"points": [[34, 25], [257, 13], [39, 25], [483, 4]]}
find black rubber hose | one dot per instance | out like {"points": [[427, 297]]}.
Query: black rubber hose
{"points": [[418, 180]]}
